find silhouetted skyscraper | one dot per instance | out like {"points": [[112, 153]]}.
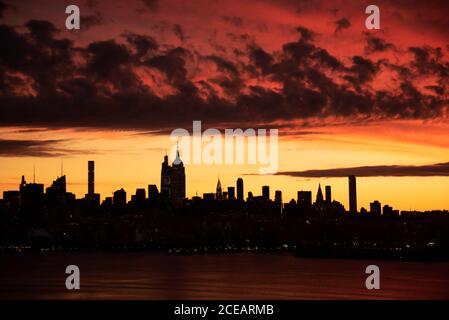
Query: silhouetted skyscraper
{"points": [[328, 194], [165, 178], [352, 194], [140, 197], [22, 183], [209, 197], [56, 192], [173, 180], [32, 201], [218, 192], [240, 189], [91, 178], [91, 196], [177, 181], [266, 193], [278, 196], [231, 193], [319, 195], [375, 207], [120, 197], [305, 198], [153, 193]]}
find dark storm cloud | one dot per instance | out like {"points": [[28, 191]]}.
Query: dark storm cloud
{"points": [[235, 21], [223, 64], [32, 148], [179, 32], [361, 71], [106, 55], [326, 59], [151, 5], [439, 169], [141, 43], [4, 7], [376, 44], [90, 21], [41, 30], [342, 24], [260, 58], [429, 61], [306, 34], [172, 63], [46, 80]]}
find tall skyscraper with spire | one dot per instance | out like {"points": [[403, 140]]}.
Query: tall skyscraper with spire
{"points": [[173, 180], [178, 180], [219, 191], [319, 195]]}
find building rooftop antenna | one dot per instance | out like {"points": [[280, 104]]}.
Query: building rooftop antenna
{"points": [[34, 173]]}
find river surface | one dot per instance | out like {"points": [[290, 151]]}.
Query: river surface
{"points": [[149, 275]]}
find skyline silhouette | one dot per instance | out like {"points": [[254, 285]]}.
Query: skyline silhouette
{"points": [[34, 218], [173, 185]]}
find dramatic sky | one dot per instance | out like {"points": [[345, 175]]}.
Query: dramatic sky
{"points": [[345, 99]]}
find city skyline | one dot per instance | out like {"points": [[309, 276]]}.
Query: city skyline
{"points": [[341, 96], [173, 184]]}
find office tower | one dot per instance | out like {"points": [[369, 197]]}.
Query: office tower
{"points": [[278, 201], [387, 210], [11, 199], [91, 197], [266, 193], [209, 197], [319, 195], [173, 180], [165, 178], [278, 196], [218, 192], [91, 178], [119, 197], [328, 194], [305, 198], [375, 207], [240, 189], [22, 183], [56, 193], [177, 181], [32, 194], [58, 185], [250, 196], [107, 201], [231, 193], [140, 197], [153, 193], [352, 194], [32, 202]]}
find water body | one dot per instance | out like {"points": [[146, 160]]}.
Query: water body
{"points": [[146, 275]]}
